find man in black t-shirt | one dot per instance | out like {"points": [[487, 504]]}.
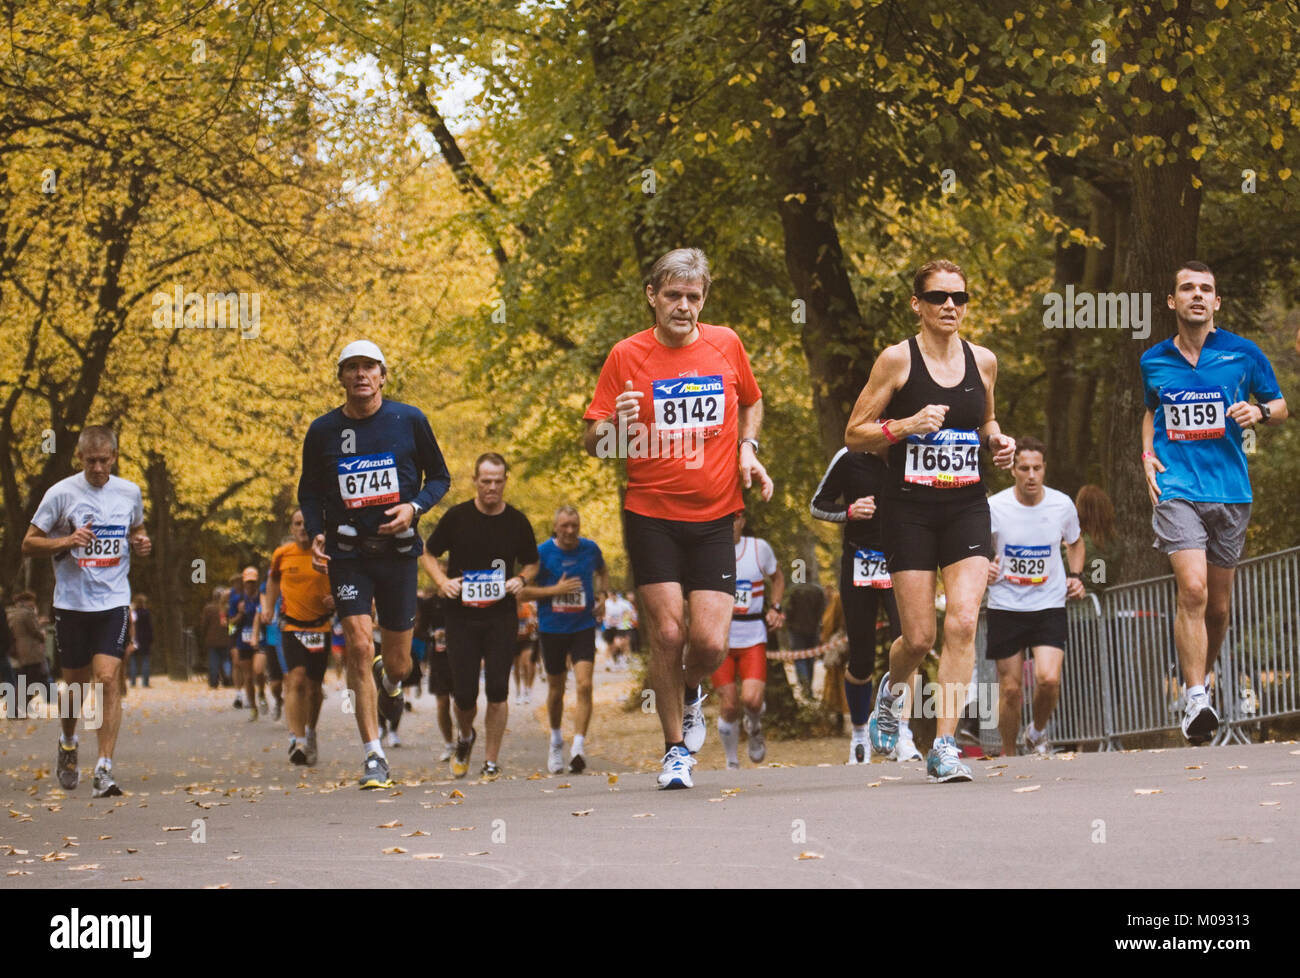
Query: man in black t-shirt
{"points": [[485, 539]]}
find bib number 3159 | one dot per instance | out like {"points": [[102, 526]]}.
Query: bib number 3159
{"points": [[1193, 415], [945, 459]]}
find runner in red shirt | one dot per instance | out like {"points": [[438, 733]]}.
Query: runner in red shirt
{"points": [[675, 400]]}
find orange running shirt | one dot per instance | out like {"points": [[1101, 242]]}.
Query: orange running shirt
{"points": [[303, 589], [682, 459]]}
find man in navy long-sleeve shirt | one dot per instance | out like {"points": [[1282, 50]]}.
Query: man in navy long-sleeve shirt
{"points": [[369, 469]]}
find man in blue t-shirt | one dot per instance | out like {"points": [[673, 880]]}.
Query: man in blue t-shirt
{"points": [[369, 469], [572, 572], [1196, 385]]}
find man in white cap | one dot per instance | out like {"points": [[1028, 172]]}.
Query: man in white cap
{"points": [[369, 470]]}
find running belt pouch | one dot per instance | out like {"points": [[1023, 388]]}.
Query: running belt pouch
{"points": [[747, 617], [376, 546]]}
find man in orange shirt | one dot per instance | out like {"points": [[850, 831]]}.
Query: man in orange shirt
{"points": [[308, 609], [675, 401]]}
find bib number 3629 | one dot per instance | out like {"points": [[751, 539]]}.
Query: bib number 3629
{"points": [[945, 459], [1027, 565]]}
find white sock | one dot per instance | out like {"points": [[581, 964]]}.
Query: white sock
{"points": [[390, 687], [66, 742], [374, 747], [579, 744], [730, 736], [104, 763], [1032, 732], [1194, 691], [859, 732], [903, 725], [307, 732], [557, 738]]}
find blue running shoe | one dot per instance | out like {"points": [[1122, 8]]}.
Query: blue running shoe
{"points": [[882, 727], [677, 769], [944, 763]]}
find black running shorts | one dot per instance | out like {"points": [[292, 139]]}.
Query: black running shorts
{"points": [[1010, 632], [698, 556], [580, 646], [917, 535]]}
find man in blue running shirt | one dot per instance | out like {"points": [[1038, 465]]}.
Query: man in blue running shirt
{"points": [[369, 469], [1196, 386]]}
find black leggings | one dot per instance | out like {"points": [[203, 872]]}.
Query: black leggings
{"points": [[861, 606], [489, 642]]}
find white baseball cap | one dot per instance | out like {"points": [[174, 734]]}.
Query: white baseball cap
{"points": [[360, 348]]}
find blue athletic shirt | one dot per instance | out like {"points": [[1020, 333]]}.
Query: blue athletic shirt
{"points": [[242, 610], [394, 458], [1197, 443], [583, 561]]}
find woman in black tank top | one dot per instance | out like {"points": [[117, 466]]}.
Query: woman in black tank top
{"points": [[930, 420]]}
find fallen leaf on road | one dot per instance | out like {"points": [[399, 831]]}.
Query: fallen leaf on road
{"points": [[427, 855], [132, 879], [217, 886], [1028, 787], [231, 859], [19, 872], [713, 799], [535, 776], [1193, 767], [584, 811], [1236, 767], [132, 851], [1023, 777], [1200, 778], [173, 828], [613, 779], [1279, 784], [889, 777], [874, 784], [1270, 803], [103, 838], [460, 828], [1148, 791], [995, 774], [564, 786], [53, 857], [456, 793], [395, 851], [809, 855], [481, 853], [83, 867], [644, 815], [410, 835], [729, 792], [389, 825]]}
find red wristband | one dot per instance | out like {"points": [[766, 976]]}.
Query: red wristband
{"points": [[889, 435]]}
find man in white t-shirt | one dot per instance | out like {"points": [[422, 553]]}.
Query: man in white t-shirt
{"points": [[1028, 588], [747, 653], [618, 626], [90, 524]]}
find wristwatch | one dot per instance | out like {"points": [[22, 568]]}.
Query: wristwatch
{"points": [[1264, 412], [752, 441], [776, 608], [416, 506], [1077, 575]]}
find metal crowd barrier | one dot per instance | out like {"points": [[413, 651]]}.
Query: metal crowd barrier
{"points": [[1121, 675]]}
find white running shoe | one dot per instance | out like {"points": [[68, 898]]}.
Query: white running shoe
{"points": [[905, 749], [1039, 746], [447, 751], [555, 759], [693, 726], [1199, 720], [677, 769]]}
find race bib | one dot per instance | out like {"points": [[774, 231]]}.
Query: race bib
{"points": [[246, 636], [869, 570], [1194, 414], [689, 402], [368, 480], [105, 550], [479, 589], [570, 604], [945, 459], [312, 641], [744, 591], [1027, 565]]}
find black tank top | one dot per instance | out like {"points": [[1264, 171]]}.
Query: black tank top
{"points": [[945, 463]]}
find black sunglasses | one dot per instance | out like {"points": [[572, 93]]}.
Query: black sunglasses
{"points": [[937, 297]]}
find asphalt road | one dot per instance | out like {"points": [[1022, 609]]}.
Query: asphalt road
{"points": [[212, 802]]}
